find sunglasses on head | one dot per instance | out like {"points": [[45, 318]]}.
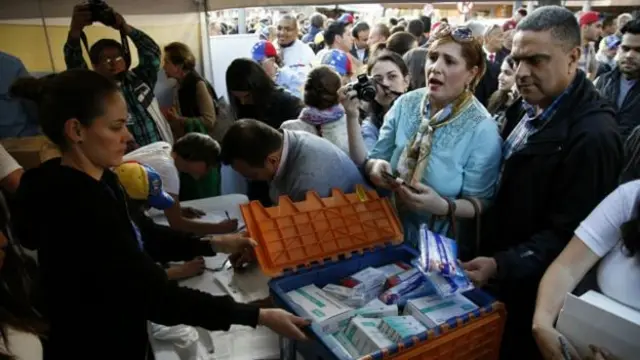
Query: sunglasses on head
{"points": [[459, 33]]}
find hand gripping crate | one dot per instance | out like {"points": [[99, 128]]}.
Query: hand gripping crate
{"points": [[322, 240]]}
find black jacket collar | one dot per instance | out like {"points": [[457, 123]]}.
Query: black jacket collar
{"points": [[583, 100]]}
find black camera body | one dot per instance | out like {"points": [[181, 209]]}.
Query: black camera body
{"points": [[364, 87], [101, 12]]}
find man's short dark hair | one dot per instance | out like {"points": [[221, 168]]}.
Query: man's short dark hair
{"points": [[336, 29], [561, 22], [416, 28], [608, 21], [522, 11], [631, 27], [384, 30], [317, 20], [198, 147], [251, 141], [359, 27], [426, 21], [99, 46]]}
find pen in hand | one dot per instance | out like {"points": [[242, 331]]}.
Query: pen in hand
{"points": [[227, 213]]}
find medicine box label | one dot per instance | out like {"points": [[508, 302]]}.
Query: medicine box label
{"points": [[321, 307], [365, 280], [400, 328], [433, 311], [365, 335]]}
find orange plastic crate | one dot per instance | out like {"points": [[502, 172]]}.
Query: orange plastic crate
{"points": [[478, 339], [298, 234], [291, 234]]}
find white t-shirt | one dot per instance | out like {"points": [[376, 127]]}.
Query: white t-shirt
{"points": [[23, 346], [158, 156], [298, 56], [618, 274], [7, 163]]}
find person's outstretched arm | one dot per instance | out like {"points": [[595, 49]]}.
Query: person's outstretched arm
{"points": [[357, 147], [73, 57]]}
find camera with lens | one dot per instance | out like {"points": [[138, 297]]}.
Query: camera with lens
{"points": [[364, 87], [101, 12]]}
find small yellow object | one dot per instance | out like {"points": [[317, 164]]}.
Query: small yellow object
{"points": [[134, 180], [362, 194]]}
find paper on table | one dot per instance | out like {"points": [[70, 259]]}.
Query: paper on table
{"points": [[232, 345], [210, 216], [244, 287]]}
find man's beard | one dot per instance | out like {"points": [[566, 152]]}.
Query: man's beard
{"points": [[120, 76], [630, 73]]}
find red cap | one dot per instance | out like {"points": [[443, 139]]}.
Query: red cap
{"points": [[262, 50], [589, 17], [509, 25]]}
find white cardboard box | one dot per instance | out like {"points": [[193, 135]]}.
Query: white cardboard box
{"points": [[594, 319], [433, 311], [400, 328], [321, 308], [365, 335]]}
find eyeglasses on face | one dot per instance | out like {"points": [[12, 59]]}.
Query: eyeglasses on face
{"points": [[111, 60]]}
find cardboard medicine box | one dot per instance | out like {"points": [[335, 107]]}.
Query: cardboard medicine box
{"points": [[433, 311], [328, 312]]}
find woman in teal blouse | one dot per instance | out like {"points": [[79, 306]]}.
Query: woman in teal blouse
{"points": [[440, 139]]}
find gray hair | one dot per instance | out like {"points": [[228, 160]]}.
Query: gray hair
{"points": [[561, 22], [622, 17], [317, 20], [477, 28]]}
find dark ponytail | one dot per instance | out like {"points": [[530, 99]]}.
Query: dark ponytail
{"points": [[631, 235], [29, 88], [72, 94]]}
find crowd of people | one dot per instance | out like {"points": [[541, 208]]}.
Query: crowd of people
{"points": [[521, 141]]}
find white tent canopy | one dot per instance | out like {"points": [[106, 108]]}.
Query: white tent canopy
{"points": [[25, 9]]}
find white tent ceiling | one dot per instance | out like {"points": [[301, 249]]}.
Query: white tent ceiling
{"points": [[24, 9]]}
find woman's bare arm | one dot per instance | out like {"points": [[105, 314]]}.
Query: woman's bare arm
{"points": [[561, 277], [357, 149]]}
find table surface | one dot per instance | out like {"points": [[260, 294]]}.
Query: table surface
{"points": [[230, 344]]}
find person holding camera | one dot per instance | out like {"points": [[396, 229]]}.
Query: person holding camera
{"points": [[439, 143], [389, 79], [111, 59]]}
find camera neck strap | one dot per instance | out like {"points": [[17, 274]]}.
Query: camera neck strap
{"points": [[124, 42], [387, 89]]}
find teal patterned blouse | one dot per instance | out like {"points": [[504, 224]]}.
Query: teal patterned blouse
{"points": [[465, 157]]}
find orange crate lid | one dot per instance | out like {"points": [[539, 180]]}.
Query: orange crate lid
{"points": [[317, 229]]}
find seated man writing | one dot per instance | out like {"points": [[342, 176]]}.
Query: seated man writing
{"points": [[168, 162], [164, 244], [143, 186]]}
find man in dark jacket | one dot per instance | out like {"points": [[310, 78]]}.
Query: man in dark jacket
{"points": [[360, 48], [619, 85], [562, 156]]}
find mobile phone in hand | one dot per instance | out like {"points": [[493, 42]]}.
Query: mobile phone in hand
{"points": [[393, 179]]}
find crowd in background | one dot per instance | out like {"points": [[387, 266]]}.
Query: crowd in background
{"points": [[520, 141]]}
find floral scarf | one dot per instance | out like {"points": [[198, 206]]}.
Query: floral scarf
{"points": [[415, 157], [317, 117]]}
